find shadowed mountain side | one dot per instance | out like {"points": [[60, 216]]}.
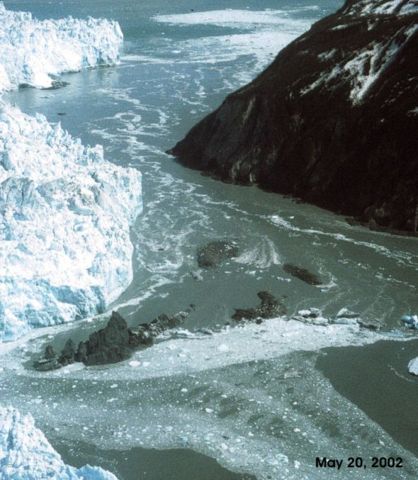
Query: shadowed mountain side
{"points": [[333, 120]]}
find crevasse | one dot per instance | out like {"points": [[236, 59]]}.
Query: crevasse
{"points": [[65, 212], [35, 53], [26, 454]]}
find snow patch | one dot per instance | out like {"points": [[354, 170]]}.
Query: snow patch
{"points": [[384, 7], [26, 454], [34, 52], [364, 68], [65, 214]]}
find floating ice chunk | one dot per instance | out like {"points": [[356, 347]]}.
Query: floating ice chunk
{"points": [[410, 320], [346, 313], [34, 52], [65, 214], [310, 313], [345, 321], [26, 454], [134, 363], [413, 366]]}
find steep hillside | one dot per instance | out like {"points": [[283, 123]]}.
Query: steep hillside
{"points": [[333, 120]]}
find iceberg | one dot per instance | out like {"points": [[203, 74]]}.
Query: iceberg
{"points": [[413, 366], [26, 454], [65, 217], [35, 52]]}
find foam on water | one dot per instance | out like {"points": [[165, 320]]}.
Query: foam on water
{"points": [[405, 258], [262, 256]]}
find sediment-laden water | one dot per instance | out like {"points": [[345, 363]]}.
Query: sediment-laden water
{"points": [[252, 398]]}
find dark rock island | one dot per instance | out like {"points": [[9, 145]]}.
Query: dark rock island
{"points": [[111, 344], [333, 120]]}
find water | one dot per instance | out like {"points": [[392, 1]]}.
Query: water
{"points": [[253, 400]]}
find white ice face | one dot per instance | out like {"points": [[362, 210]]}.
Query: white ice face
{"points": [[65, 212], [26, 454], [34, 52], [65, 215]]}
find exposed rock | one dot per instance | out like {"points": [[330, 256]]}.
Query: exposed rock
{"points": [[269, 307], [48, 361], [49, 352], [68, 353], [369, 324], [214, 253], [333, 120], [302, 274], [81, 355], [113, 343]]}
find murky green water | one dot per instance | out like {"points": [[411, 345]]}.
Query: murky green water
{"points": [[267, 415]]}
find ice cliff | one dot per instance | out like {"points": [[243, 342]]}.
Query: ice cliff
{"points": [[65, 212], [34, 52], [26, 454]]}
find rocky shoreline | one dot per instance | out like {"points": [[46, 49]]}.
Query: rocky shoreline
{"points": [[332, 121]]}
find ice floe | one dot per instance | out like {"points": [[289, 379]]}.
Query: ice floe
{"points": [[413, 366], [65, 216], [232, 18], [258, 35], [34, 52], [26, 454], [251, 397]]}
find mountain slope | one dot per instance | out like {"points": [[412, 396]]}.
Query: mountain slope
{"points": [[333, 120]]}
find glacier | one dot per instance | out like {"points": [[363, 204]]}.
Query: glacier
{"points": [[65, 216], [34, 52], [65, 212], [26, 454]]}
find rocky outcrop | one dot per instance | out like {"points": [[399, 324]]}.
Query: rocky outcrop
{"points": [[333, 120], [48, 362], [111, 344], [108, 345], [302, 274], [214, 253], [269, 307]]}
